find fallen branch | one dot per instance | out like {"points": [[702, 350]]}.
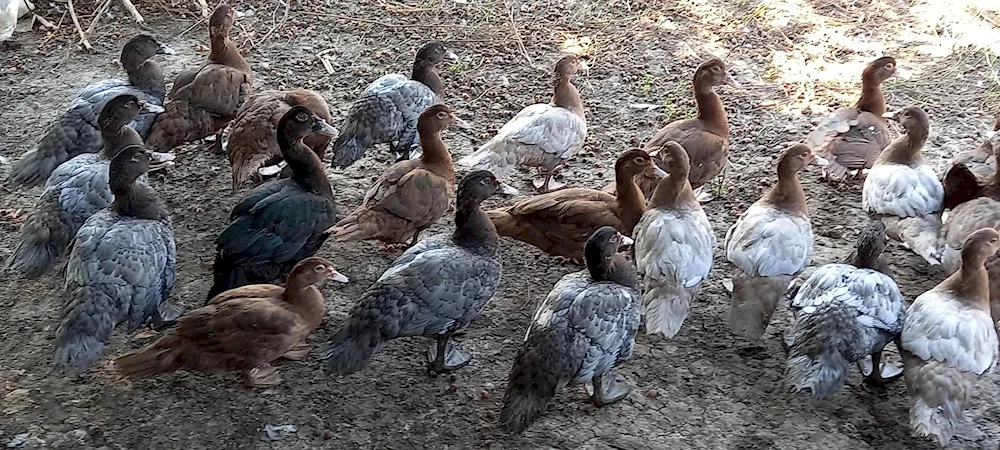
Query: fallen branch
{"points": [[45, 22], [97, 16], [135, 13], [79, 29], [204, 8]]}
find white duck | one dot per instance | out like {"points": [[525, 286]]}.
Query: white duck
{"points": [[845, 313], [769, 244], [543, 135], [904, 191], [949, 341], [674, 246]]}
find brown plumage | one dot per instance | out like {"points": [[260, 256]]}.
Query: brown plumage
{"points": [[982, 160], [241, 329], [852, 137], [411, 195], [205, 99], [253, 143], [705, 137], [560, 222]]}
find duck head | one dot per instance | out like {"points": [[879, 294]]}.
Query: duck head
{"points": [[713, 73], [979, 246], [433, 53], [299, 121], [221, 22], [880, 70], [914, 120], [570, 65], [871, 242], [439, 117], [126, 167], [121, 110], [636, 161], [795, 158], [141, 48], [315, 270], [601, 248], [476, 187]]}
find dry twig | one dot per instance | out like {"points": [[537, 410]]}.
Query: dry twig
{"points": [[97, 17], [517, 34], [135, 13], [79, 29]]}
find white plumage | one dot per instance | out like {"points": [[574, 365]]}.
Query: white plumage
{"points": [[902, 191], [766, 241]]}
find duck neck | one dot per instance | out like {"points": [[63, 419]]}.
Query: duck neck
{"points": [[631, 203], [306, 299], [711, 112], [425, 73], [971, 283], [116, 139], [787, 193], [907, 148], [615, 269], [567, 96], [146, 75], [865, 259], [872, 100], [474, 230], [673, 191], [435, 154], [224, 52], [306, 167], [140, 201]]}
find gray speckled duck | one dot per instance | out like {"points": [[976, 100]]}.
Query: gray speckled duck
{"points": [[584, 327], [843, 314], [121, 268], [434, 289]]}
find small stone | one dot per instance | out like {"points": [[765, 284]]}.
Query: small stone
{"points": [[452, 388], [327, 435], [652, 393]]}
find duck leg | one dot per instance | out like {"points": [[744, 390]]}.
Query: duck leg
{"points": [[606, 390], [445, 356], [884, 374], [262, 376], [548, 184], [217, 146], [298, 352]]}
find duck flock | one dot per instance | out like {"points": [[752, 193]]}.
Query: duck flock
{"points": [[645, 241]]}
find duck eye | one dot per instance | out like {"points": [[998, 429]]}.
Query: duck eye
{"points": [[442, 115], [716, 69], [890, 66], [319, 268], [640, 160], [301, 117]]}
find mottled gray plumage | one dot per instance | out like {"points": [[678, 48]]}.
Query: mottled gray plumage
{"points": [[434, 289], [585, 326], [388, 109], [121, 267], [76, 131]]}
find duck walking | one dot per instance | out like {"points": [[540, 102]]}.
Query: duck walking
{"points": [[674, 247], [434, 289], [585, 327], [121, 268], [845, 313]]}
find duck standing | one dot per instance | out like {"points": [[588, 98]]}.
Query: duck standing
{"points": [[76, 131], [543, 135], [389, 108], [949, 340], [769, 244], [845, 313], [852, 137], [121, 268], [585, 327], [904, 191], [434, 289], [674, 247], [241, 329], [280, 222], [205, 99]]}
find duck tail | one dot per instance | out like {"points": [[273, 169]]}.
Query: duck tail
{"points": [[666, 306], [919, 234], [938, 395], [88, 318], [44, 238], [348, 149], [753, 301], [162, 356], [545, 362], [349, 229], [492, 156], [354, 344]]}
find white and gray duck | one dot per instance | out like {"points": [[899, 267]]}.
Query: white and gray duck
{"points": [[121, 268], [845, 313], [76, 190], [433, 289], [585, 327]]}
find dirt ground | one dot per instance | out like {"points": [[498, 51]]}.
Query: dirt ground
{"points": [[796, 60]]}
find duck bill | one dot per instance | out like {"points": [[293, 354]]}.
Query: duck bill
{"points": [[461, 123], [624, 241], [654, 171], [730, 81], [902, 73], [891, 115], [325, 129], [506, 189], [584, 68], [150, 108], [338, 277], [165, 50], [820, 161], [450, 57]]}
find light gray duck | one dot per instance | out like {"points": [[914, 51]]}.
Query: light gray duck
{"points": [[121, 268], [845, 313], [434, 289]]}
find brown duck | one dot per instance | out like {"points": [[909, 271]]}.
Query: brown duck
{"points": [[852, 137], [241, 329], [981, 160], [411, 195], [253, 144], [705, 137], [204, 100], [560, 222]]}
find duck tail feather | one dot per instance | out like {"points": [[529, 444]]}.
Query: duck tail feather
{"points": [[753, 301], [545, 362], [43, 239], [666, 306], [88, 318], [352, 347], [162, 356]]}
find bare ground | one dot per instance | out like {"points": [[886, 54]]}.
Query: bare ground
{"points": [[796, 59]]}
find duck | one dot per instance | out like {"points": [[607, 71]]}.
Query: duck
{"points": [[904, 191], [280, 222], [204, 99], [253, 145], [585, 327], [217, 338], [543, 135], [76, 190], [852, 137], [433, 289], [76, 131], [962, 221], [770, 243], [981, 160], [560, 222], [949, 341], [411, 195], [705, 137], [389, 108], [674, 246], [845, 313], [121, 268]]}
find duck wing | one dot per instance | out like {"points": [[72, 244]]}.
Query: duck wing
{"points": [[902, 191], [767, 242], [216, 88]]}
